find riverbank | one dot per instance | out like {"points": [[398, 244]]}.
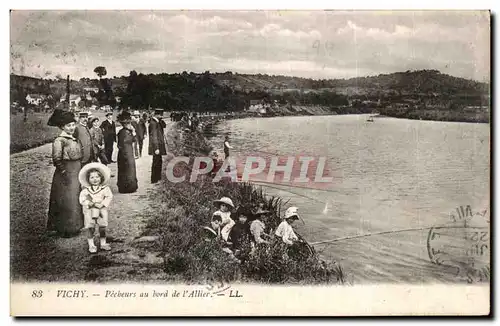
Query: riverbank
{"points": [[437, 115], [186, 207]]}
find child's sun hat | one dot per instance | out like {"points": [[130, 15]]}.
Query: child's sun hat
{"points": [[83, 176], [292, 213], [224, 200]]}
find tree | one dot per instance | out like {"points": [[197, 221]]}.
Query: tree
{"points": [[100, 71], [105, 95]]}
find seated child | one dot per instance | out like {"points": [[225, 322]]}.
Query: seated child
{"points": [[240, 234], [225, 206], [257, 227], [285, 230], [212, 232], [95, 199]]}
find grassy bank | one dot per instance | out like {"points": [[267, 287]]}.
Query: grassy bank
{"points": [[35, 131], [186, 207], [32, 133]]}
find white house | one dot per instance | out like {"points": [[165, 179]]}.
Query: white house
{"points": [[35, 99], [74, 99], [258, 106], [91, 89]]}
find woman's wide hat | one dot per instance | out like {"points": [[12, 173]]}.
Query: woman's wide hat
{"points": [[224, 200], [124, 117], [83, 176], [60, 118]]}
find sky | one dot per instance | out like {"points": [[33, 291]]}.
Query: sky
{"points": [[311, 44]]}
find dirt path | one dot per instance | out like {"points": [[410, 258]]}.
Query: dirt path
{"points": [[36, 257]]}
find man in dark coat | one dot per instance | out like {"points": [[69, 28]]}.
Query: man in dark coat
{"points": [[140, 130], [82, 134], [109, 132], [157, 146]]}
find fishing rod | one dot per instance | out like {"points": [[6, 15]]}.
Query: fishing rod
{"points": [[265, 184], [386, 232], [292, 186]]}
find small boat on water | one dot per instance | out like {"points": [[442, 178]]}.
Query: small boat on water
{"points": [[370, 119]]}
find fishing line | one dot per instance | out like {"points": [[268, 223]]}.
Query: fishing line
{"points": [[387, 232], [265, 184], [265, 152], [293, 186]]}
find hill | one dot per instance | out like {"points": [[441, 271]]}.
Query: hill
{"points": [[409, 82], [401, 91]]}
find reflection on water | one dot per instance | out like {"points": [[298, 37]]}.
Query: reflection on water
{"points": [[390, 174]]}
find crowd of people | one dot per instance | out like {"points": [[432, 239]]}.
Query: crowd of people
{"points": [[192, 121], [80, 193]]}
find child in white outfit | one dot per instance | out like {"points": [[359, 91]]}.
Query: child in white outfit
{"points": [[285, 230], [95, 199], [225, 205]]}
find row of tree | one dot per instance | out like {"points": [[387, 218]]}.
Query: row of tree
{"points": [[204, 92]]}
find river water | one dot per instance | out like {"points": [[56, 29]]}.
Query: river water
{"points": [[390, 174]]}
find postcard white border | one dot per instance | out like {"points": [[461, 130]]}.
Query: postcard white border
{"points": [[414, 298], [249, 300]]}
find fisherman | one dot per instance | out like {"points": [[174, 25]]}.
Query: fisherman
{"points": [[285, 231], [212, 232], [227, 147], [225, 205], [257, 227], [240, 234]]}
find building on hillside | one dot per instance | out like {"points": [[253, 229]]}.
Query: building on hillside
{"points": [[74, 99], [35, 99], [258, 106], [89, 90]]}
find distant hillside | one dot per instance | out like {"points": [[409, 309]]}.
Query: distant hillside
{"points": [[423, 89], [404, 83]]}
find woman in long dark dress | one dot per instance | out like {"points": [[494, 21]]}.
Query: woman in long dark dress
{"points": [[65, 215], [127, 180]]}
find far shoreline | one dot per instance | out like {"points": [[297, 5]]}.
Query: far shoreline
{"points": [[35, 143]]}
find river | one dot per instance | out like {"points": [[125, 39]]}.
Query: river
{"points": [[390, 174]]}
